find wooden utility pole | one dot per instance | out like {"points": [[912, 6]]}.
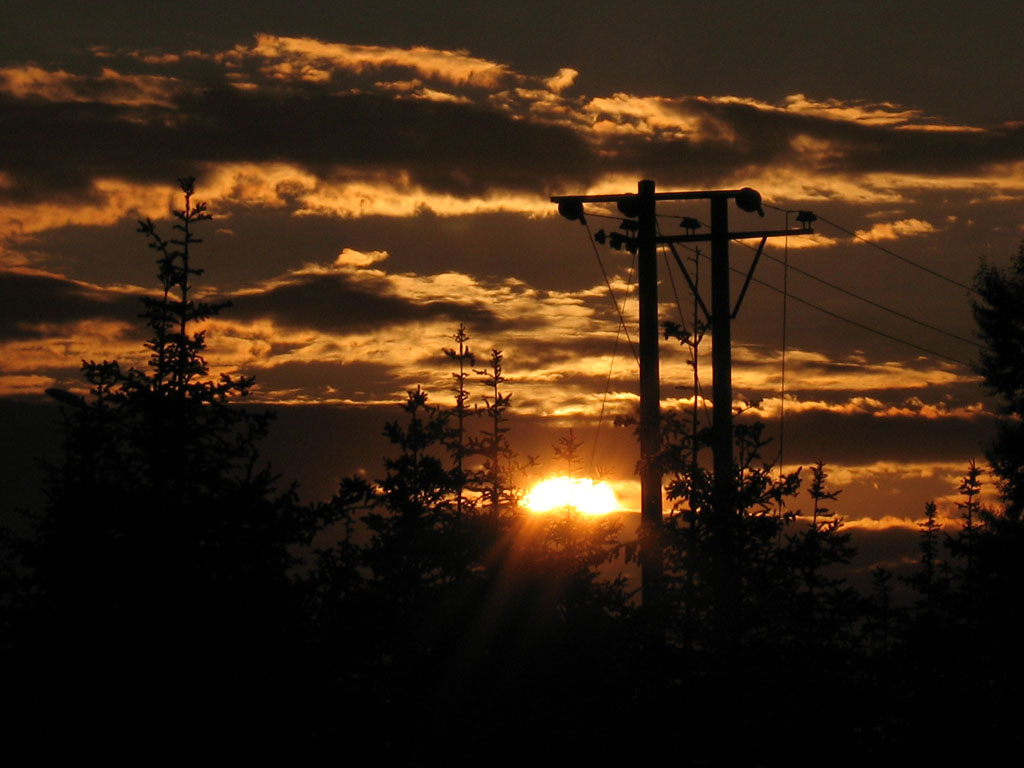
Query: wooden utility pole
{"points": [[640, 210], [651, 546]]}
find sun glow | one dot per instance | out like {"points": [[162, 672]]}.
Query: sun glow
{"points": [[583, 494]]}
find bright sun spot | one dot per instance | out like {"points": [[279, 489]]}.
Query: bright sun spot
{"points": [[584, 494]]}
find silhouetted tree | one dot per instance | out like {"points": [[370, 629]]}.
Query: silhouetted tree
{"points": [[567, 450], [881, 623], [457, 439], [998, 315], [161, 560], [793, 639], [766, 580], [824, 603], [493, 479], [929, 581], [963, 545]]}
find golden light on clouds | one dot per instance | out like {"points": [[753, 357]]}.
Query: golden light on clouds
{"points": [[108, 201], [893, 230], [110, 87], [311, 59], [885, 114], [30, 384], [565, 361], [624, 113]]}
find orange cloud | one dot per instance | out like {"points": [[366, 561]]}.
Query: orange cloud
{"points": [[110, 87], [667, 118], [66, 345], [415, 89], [108, 201], [313, 60], [893, 230], [801, 242], [360, 194], [883, 113], [913, 407], [785, 182], [881, 524], [397, 195], [566, 76], [816, 372], [29, 384]]}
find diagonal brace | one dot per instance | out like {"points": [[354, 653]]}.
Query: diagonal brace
{"points": [[689, 281], [750, 274]]}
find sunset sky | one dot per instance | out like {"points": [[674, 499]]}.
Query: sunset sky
{"points": [[381, 172]]}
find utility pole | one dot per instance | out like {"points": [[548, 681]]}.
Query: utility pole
{"points": [[640, 210], [651, 546]]}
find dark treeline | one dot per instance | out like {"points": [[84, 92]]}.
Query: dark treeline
{"points": [[174, 602]]}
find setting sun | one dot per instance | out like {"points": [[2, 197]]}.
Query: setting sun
{"points": [[583, 494]]}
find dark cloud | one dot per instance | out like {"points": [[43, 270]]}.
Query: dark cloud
{"points": [[763, 137], [31, 300], [863, 438], [337, 303], [371, 380], [458, 148], [446, 146], [555, 350], [57, 147], [896, 549]]}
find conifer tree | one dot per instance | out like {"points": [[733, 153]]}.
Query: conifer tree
{"points": [[881, 625], [927, 581], [161, 562], [997, 314], [492, 444], [964, 544], [764, 579], [815, 552], [457, 440], [416, 499]]}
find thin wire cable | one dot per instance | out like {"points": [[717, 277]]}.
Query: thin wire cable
{"points": [[672, 281], [604, 400], [605, 216], [608, 379], [694, 346], [866, 300], [857, 296], [782, 387], [895, 255], [852, 322], [863, 239], [618, 310], [862, 326], [695, 352]]}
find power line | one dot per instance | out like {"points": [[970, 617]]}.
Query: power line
{"points": [[782, 387], [618, 310], [695, 338], [863, 239], [608, 380], [858, 324], [812, 305], [891, 252], [845, 319], [675, 293], [854, 295], [866, 300]]}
